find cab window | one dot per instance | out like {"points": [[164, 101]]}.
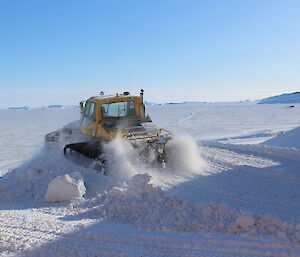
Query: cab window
{"points": [[88, 114], [117, 110]]}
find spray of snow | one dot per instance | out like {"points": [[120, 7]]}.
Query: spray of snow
{"points": [[184, 155], [121, 159], [184, 161]]}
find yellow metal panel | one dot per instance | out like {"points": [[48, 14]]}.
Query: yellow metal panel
{"points": [[104, 134], [90, 130], [96, 129]]}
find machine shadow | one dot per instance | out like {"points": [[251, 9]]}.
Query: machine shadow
{"points": [[270, 190]]}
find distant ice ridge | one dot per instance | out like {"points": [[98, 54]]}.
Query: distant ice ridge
{"points": [[284, 98], [19, 108]]}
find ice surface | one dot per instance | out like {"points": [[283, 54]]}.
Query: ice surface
{"points": [[213, 199], [245, 121]]}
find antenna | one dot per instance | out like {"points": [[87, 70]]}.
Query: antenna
{"points": [[130, 81]]}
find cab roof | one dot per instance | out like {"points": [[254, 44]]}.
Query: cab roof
{"points": [[112, 98]]}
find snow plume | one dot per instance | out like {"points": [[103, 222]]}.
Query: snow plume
{"points": [[183, 161], [145, 205], [120, 159], [184, 155]]}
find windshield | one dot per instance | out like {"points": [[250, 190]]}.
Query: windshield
{"points": [[88, 114], [116, 110]]}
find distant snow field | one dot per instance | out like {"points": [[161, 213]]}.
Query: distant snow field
{"points": [[23, 132], [231, 188]]}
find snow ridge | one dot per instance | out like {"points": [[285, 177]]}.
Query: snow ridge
{"points": [[284, 98], [143, 204]]}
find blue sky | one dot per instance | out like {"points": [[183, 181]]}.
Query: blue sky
{"points": [[63, 51]]}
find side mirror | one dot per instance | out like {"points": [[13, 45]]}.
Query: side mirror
{"points": [[81, 104]]}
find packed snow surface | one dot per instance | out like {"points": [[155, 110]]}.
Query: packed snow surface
{"points": [[214, 198]]}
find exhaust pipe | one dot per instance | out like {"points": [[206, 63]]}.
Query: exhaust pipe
{"points": [[142, 96], [142, 106]]}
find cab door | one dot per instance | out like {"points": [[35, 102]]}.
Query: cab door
{"points": [[88, 120]]}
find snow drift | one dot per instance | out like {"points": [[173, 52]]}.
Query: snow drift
{"points": [[288, 139], [29, 183], [146, 205]]}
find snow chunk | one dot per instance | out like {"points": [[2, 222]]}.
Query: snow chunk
{"points": [[140, 180], [64, 189], [245, 221]]}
